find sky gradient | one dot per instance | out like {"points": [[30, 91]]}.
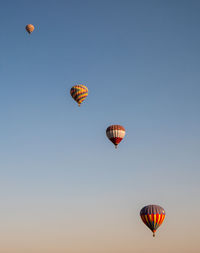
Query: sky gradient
{"points": [[63, 186]]}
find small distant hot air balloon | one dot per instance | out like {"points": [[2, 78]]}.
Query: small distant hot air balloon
{"points": [[152, 216], [30, 28], [115, 133], [79, 93]]}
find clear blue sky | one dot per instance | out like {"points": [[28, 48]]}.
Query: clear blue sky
{"points": [[58, 172]]}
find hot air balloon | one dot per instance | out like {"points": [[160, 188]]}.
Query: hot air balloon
{"points": [[152, 216], [30, 28], [115, 133], [79, 93]]}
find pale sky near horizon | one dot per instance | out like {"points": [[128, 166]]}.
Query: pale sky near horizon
{"points": [[63, 186]]}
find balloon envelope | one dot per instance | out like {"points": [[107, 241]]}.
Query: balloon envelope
{"points": [[115, 134], [152, 216], [79, 93], [30, 28]]}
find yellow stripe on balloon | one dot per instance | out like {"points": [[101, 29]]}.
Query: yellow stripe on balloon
{"points": [[154, 216], [159, 220]]}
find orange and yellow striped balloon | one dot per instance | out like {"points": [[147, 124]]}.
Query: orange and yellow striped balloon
{"points": [[79, 93], [30, 28]]}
